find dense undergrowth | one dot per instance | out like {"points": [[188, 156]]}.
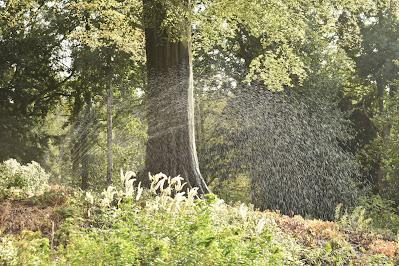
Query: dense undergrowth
{"points": [[169, 225]]}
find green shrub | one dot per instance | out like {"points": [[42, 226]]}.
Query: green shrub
{"points": [[233, 189], [25, 249], [134, 228], [380, 259], [170, 225], [30, 178], [373, 214], [355, 221], [383, 214], [334, 252], [99, 247]]}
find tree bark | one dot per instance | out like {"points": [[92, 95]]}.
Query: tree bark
{"points": [[384, 132], [85, 143], [381, 111], [85, 167], [110, 163], [171, 145]]}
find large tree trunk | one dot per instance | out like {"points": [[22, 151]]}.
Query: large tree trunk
{"points": [[171, 139]]}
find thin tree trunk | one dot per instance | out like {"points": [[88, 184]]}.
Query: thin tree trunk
{"points": [[85, 143], [75, 154], [109, 133], [171, 138], [384, 134], [75, 145], [84, 174]]}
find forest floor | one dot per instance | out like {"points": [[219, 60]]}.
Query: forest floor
{"points": [[46, 214], [37, 213]]}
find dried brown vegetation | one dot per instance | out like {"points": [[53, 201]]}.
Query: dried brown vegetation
{"points": [[312, 233], [39, 213]]}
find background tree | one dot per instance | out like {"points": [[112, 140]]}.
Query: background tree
{"points": [[374, 49], [303, 60], [32, 74], [106, 52]]}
